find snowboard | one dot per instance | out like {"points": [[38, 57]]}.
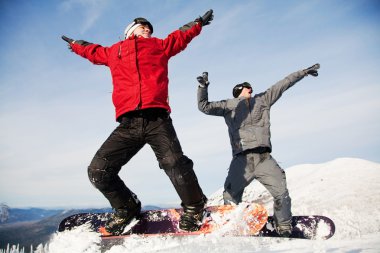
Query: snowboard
{"points": [[304, 227], [242, 220], [246, 219]]}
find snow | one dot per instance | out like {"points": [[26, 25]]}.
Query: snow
{"points": [[346, 189]]}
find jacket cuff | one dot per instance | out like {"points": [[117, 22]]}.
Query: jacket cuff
{"points": [[189, 26]]}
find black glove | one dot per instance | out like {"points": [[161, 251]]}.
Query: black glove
{"points": [[313, 70], [203, 80], [68, 40], [206, 18], [71, 41]]}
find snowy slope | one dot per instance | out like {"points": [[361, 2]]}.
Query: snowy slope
{"points": [[346, 189]]}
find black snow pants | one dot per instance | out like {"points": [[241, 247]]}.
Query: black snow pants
{"points": [[149, 126]]}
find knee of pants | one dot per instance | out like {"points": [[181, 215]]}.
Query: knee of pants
{"points": [[281, 201], [101, 176], [179, 169], [173, 160]]}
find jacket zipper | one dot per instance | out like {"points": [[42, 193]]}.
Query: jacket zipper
{"points": [[138, 72]]}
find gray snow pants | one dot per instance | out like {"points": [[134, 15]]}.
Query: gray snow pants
{"points": [[246, 167]]}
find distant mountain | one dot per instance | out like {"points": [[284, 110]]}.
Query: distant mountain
{"points": [[28, 233], [27, 214]]}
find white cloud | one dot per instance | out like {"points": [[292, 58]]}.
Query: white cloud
{"points": [[91, 10]]}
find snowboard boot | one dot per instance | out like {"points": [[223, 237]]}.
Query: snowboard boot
{"points": [[284, 230], [192, 216], [121, 218]]}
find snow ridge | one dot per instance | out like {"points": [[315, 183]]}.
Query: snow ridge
{"points": [[346, 189]]}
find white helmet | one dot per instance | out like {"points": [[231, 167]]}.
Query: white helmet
{"points": [[136, 23]]}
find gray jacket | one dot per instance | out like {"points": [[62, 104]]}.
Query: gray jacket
{"points": [[248, 120]]}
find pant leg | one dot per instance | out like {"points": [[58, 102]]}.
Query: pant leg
{"points": [[240, 175], [269, 173], [123, 143], [162, 137]]}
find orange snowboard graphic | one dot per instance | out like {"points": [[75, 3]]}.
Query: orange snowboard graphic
{"points": [[244, 219], [234, 220]]}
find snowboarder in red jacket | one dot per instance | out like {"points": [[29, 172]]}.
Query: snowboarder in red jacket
{"points": [[139, 69]]}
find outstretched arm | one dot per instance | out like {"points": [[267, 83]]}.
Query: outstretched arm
{"points": [[93, 52], [179, 39], [211, 108], [275, 92]]}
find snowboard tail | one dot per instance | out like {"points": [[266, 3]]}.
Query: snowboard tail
{"points": [[304, 227]]}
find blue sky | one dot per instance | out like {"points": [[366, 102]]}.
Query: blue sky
{"points": [[56, 108]]}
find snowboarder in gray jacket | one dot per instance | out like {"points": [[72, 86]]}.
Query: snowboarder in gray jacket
{"points": [[248, 121]]}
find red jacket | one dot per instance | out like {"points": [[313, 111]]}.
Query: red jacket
{"points": [[139, 68]]}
